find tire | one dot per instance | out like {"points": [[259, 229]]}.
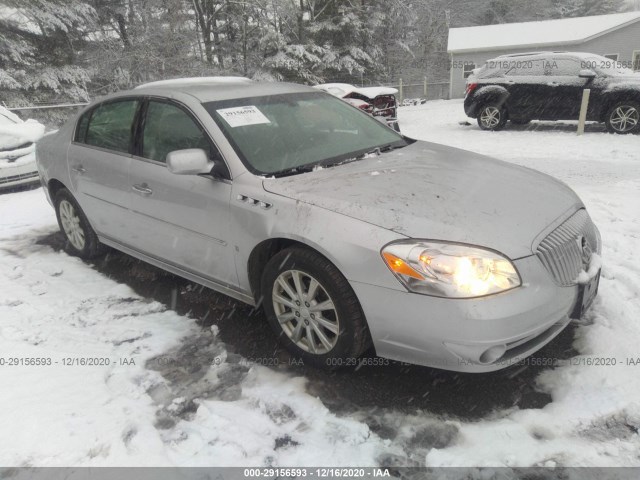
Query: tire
{"points": [[81, 239], [623, 118], [492, 117], [348, 336]]}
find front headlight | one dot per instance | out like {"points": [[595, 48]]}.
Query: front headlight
{"points": [[450, 270]]}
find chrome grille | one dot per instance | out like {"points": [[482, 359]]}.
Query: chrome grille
{"points": [[568, 249]]}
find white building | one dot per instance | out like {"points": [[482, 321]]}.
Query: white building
{"points": [[614, 36]]}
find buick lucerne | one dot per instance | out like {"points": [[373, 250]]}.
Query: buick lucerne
{"points": [[347, 233]]}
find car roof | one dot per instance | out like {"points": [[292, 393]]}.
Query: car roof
{"points": [[541, 55], [217, 88]]}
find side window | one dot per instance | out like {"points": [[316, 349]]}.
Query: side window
{"points": [[81, 127], [168, 128], [525, 68], [563, 67], [110, 125], [636, 61]]}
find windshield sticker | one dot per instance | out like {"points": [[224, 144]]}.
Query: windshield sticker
{"points": [[243, 116]]}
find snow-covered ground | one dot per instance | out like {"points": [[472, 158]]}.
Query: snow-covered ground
{"points": [[595, 413], [172, 394]]}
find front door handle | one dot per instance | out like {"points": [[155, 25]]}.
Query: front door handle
{"points": [[142, 189], [79, 169]]}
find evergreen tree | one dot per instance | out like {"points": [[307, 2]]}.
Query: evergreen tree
{"points": [[39, 42]]}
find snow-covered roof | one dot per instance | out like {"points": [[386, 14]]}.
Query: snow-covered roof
{"points": [[196, 81], [373, 92], [337, 89], [342, 89], [566, 31]]}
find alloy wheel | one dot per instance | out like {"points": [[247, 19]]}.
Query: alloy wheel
{"points": [[624, 118], [71, 225], [490, 117], [306, 312]]}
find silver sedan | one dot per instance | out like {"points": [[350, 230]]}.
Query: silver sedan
{"points": [[347, 233]]}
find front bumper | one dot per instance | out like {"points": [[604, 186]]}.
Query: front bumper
{"points": [[469, 335], [21, 172]]}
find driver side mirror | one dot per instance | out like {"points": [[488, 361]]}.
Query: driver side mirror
{"points": [[192, 161], [587, 74]]}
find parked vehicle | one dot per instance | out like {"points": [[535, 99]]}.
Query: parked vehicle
{"points": [[17, 150], [346, 232], [549, 86], [377, 101]]}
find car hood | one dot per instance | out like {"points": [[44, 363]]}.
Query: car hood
{"points": [[430, 191], [622, 82]]}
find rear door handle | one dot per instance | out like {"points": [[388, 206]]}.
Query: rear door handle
{"points": [[142, 189], [79, 169]]}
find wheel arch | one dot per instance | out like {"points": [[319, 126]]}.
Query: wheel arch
{"points": [[489, 94], [54, 186], [267, 249], [615, 97]]}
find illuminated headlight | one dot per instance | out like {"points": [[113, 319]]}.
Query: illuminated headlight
{"points": [[450, 270]]}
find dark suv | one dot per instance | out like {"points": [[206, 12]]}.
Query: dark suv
{"points": [[549, 86]]}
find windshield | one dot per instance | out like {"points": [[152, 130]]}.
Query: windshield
{"points": [[278, 133], [607, 66]]}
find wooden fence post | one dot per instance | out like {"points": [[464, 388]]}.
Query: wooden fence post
{"points": [[583, 110]]}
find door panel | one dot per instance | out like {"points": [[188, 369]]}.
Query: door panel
{"points": [[100, 181], [527, 88], [182, 219], [99, 162], [565, 92]]}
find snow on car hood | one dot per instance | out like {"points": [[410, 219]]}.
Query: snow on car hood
{"points": [[624, 82], [435, 192], [13, 135]]}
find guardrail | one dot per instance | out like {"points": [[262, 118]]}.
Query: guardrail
{"points": [[43, 107]]}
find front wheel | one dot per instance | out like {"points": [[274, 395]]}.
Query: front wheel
{"points": [[624, 118], [82, 241], [313, 310], [492, 117]]}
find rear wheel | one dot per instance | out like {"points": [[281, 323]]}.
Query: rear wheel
{"points": [[624, 118], [492, 117], [82, 241], [313, 309]]}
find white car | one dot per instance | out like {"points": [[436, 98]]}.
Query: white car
{"points": [[17, 149]]}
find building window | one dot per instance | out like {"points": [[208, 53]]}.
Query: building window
{"points": [[468, 69], [636, 60], [612, 56]]}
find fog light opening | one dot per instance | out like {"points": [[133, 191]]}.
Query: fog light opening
{"points": [[493, 354]]}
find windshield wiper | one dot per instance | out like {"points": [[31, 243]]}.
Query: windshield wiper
{"points": [[295, 170], [332, 163], [376, 151]]}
